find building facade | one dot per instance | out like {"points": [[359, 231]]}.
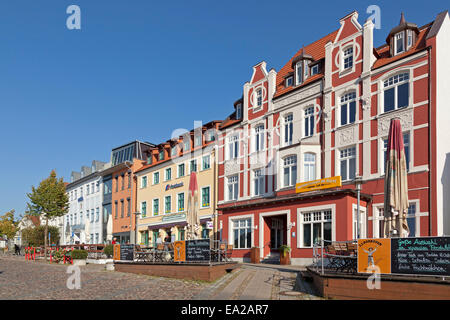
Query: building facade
{"points": [[326, 113], [162, 185], [84, 221]]}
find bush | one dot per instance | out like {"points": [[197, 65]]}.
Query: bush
{"points": [[34, 236], [109, 250], [284, 250], [57, 256], [79, 254]]}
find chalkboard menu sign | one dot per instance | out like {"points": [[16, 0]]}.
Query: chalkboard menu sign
{"points": [[198, 250], [429, 256], [126, 252]]}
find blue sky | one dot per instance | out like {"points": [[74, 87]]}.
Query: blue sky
{"points": [[140, 69]]}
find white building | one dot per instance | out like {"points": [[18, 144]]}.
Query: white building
{"points": [[84, 221]]}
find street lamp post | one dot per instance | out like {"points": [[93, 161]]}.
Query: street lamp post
{"points": [[358, 182]]}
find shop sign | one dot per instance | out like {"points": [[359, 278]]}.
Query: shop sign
{"points": [[412, 256], [179, 251], [174, 186], [177, 216], [319, 184], [116, 255]]}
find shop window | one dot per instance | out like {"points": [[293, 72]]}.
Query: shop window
{"points": [[317, 226], [242, 233]]}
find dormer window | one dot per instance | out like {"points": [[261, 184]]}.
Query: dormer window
{"points": [[410, 39], [314, 69], [347, 58], [299, 72], [399, 43], [239, 111], [289, 81]]}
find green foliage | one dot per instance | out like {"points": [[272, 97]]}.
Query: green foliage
{"points": [[35, 236], [57, 256], [109, 250], [8, 226], [284, 250], [79, 254], [49, 199]]}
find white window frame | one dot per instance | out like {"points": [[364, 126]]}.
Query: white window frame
{"points": [[258, 98], [155, 174], [347, 159], [190, 165], [345, 101], [314, 69], [201, 197], [394, 81], [178, 170], [178, 201], [165, 201], [309, 166], [346, 54], [233, 146], [144, 185], [166, 170], [231, 229], [144, 215], [301, 222], [289, 81], [260, 181], [384, 149], [299, 73], [363, 221], [399, 36], [203, 162], [288, 125], [239, 111], [259, 138], [288, 162], [153, 207], [307, 121], [234, 181]]}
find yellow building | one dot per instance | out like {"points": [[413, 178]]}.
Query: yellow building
{"points": [[162, 186]]}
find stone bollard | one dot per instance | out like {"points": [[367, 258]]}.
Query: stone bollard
{"points": [[109, 266]]}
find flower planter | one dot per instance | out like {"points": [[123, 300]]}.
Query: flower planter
{"points": [[286, 260]]}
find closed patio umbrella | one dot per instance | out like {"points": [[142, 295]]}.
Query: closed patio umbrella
{"points": [[395, 184], [192, 209]]}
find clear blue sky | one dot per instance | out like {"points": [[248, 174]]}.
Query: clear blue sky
{"points": [[140, 69]]}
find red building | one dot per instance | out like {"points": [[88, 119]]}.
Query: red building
{"points": [[326, 113]]}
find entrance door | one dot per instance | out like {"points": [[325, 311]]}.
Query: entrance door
{"points": [[276, 234]]}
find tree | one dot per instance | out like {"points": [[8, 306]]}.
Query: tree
{"points": [[49, 200], [35, 236], [8, 227]]}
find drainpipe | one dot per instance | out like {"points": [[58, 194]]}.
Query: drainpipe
{"points": [[430, 157]]}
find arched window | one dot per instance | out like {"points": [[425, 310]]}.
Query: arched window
{"points": [[396, 92]]}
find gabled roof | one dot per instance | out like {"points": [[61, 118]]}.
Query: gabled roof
{"points": [[317, 51]]}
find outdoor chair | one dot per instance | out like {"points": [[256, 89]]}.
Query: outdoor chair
{"points": [[159, 253]]}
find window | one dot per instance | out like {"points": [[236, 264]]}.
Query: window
{"points": [[348, 108], [193, 165], [116, 209], [348, 58], [168, 174], [173, 151], [205, 197], [98, 186], [259, 138], [144, 209], [187, 144], [411, 220], [123, 181], [316, 227], [156, 178], [315, 69], [97, 214], [198, 140], [396, 92], [180, 201], [406, 148], [309, 121], [362, 223], [239, 111], [144, 182], [289, 81], [87, 190], [161, 155], [233, 187], [399, 42], [168, 204], [310, 166], [348, 163], [181, 170], [288, 129], [117, 183], [81, 217], [206, 162], [92, 187], [205, 232], [290, 171], [128, 207], [258, 101], [233, 147], [150, 159], [242, 233], [410, 39], [299, 72], [92, 215], [155, 207], [81, 191], [258, 182]]}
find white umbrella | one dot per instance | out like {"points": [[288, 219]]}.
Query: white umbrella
{"points": [[192, 211]]}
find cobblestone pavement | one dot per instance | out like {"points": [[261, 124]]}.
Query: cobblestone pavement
{"points": [[38, 280]]}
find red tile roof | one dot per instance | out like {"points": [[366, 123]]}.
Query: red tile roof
{"points": [[317, 51], [385, 57]]}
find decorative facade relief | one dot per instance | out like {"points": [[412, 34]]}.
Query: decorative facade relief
{"points": [[405, 116], [346, 136], [303, 94], [232, 166]]}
